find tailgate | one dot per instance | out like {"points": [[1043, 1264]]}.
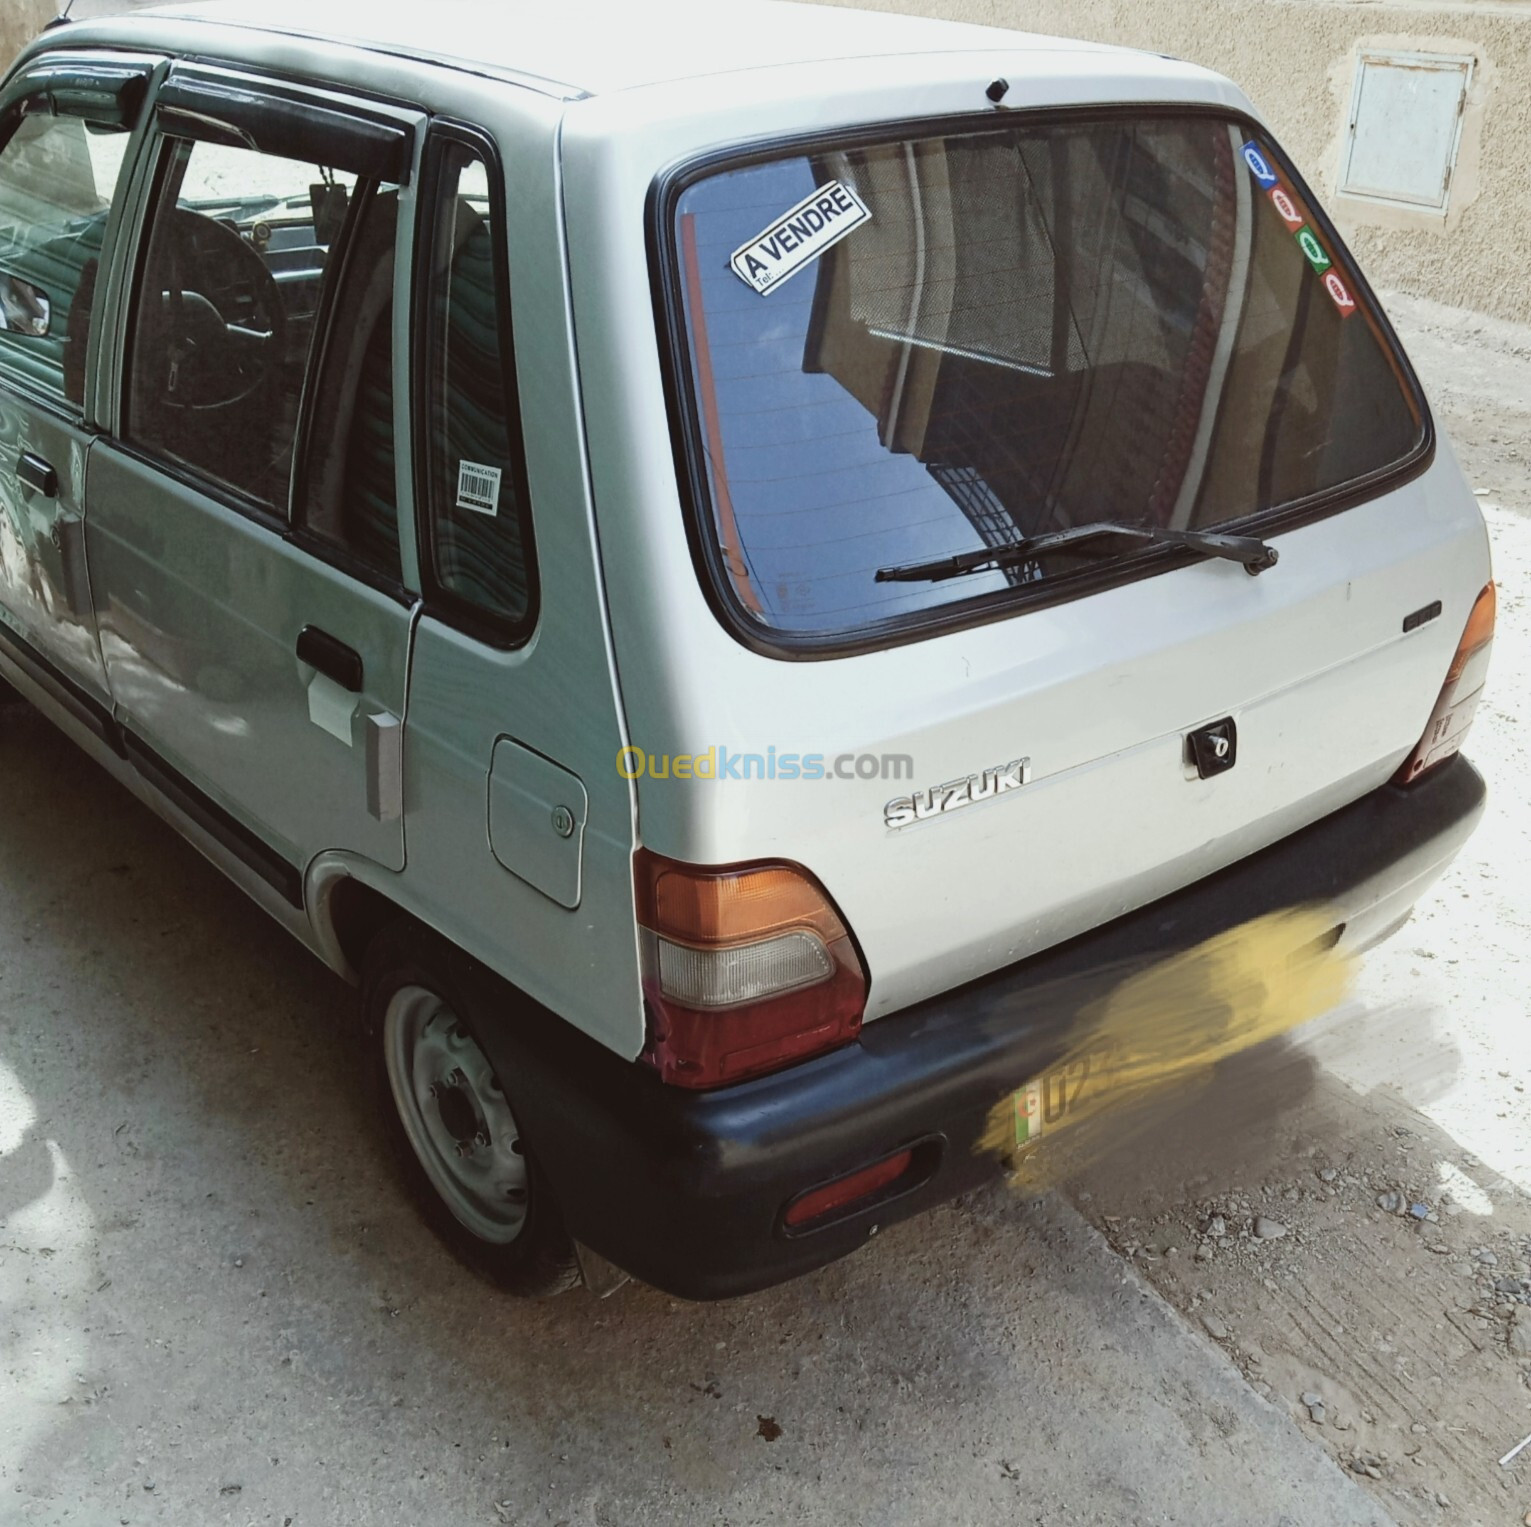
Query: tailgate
{"points": [[906, 363], [1326, 691]]}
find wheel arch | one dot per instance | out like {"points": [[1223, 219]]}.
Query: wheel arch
{"points": [[348, 900]]}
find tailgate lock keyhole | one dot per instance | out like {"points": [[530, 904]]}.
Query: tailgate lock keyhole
{"points": [[1215, 748]]}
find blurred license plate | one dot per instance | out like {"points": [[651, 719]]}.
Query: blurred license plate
{"points": [[1047, 1103]]}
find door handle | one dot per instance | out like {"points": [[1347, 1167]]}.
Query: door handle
{"points": [[37, 474], [331, 657]]}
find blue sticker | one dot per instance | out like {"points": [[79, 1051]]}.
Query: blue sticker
{"points": [[1259, 165]]}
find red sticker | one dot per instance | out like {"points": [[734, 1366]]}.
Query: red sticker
{"points": [[1283, 203], [1340, 293]]}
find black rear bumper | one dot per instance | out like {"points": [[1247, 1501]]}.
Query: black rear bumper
{"points": [[686, 1190]]}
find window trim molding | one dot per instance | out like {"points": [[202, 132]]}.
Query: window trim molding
{"points": [[341, 259], [440, 602], [666, 284], [301, 529], [212, 104]]}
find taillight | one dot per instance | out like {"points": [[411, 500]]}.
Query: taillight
{"points": [[746, 968], [1459, 696]]}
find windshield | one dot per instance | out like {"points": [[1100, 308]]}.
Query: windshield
{"points": [[924, 347]]}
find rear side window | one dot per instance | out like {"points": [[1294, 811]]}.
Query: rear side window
{"points": [[478, 538], [966, 341]]}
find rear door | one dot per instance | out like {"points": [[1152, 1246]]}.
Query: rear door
{"points": [[520, 827], [65, 133], [244, 540]]}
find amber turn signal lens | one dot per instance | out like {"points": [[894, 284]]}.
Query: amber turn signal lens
{"points": [[1478, 634], [1457, 702], [722, 906]]}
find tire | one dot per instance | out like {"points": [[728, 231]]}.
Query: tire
{"points": [[449, 1122]]}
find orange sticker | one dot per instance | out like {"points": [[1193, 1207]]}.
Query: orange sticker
{"points": [[1340, 293], [1281, 200]]}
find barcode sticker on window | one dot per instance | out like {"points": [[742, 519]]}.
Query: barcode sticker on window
{"points": [[478, 487]]}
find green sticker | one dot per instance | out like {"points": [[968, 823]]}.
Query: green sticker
{"points": [[1314, 250]]}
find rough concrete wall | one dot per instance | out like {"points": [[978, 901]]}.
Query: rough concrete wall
{"points": [[1296, 61], [20, 21]]}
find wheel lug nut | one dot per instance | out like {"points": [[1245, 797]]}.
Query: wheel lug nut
{"points": [[482, 1137]]}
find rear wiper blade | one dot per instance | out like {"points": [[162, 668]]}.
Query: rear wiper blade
{"points": [[1255, 554]]}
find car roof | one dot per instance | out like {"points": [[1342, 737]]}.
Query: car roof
{"points": [[593, 47]]}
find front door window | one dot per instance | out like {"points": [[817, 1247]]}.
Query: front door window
{"points": [[58, 177], [235, 280]]}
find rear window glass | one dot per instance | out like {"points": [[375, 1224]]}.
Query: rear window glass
{"points": [[929, 347]]}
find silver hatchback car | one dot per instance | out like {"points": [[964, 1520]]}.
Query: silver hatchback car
{"points": [[470, 469]]}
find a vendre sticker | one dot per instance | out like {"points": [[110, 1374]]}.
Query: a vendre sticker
{"points": [[1287, 210], [799, 236]]}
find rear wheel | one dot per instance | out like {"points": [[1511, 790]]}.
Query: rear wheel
{"points": [[450, 1122]]}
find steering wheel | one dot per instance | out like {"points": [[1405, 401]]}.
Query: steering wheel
{"points": [[223, 328]]}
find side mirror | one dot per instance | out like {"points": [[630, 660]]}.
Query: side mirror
{"points": [[24, 308]]}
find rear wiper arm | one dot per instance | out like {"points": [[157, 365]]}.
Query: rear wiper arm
{"points": [[1255, 554]]}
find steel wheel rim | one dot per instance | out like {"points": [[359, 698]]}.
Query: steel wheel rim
{"points": [[455, 1116]]}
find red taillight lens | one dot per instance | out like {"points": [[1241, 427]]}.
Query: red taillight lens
{"points": [[746, 969], [846, 1190], [1459, 696]]}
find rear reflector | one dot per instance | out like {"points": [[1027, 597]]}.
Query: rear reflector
{"points": [[843, 1191], [746, 968], [1458, 700]]}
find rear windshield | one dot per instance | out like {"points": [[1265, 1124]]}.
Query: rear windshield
{"points": [[930, 346]]}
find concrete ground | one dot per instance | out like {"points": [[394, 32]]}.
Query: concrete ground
{"points": [[216, 1308]]}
